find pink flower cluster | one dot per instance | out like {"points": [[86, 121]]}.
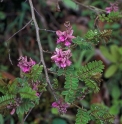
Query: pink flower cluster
{"points": [[61, 58], [13, 106], [113, 7], [25, 65], [65, 37], [35, 87], [61, 106]]}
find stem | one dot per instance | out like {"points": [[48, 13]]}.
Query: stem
{"points": [[40, 47], [95, 9]]}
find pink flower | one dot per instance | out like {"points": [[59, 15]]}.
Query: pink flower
{"points": [[25, 65], [113, 7], [37, 94], [35, 87], [61, 106], [61, 58], [65, 37], [13, 111]]}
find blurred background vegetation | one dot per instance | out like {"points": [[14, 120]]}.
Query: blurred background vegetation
{"points": [[14, 14]]}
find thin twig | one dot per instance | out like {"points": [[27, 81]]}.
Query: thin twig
{"points": [[37, 13], [40, 47], [46, 51], [27, 114], [19, 30], [47, 30], [30, 110], [9, 55], [95, 9]]}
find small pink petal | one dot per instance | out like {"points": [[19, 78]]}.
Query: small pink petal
{"points": [[37, 94], [54, 104], [13, 111], [67, 43], [59, 33]]}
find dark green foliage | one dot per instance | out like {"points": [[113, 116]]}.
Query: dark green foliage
{"points": [[3, 85], [71, 84], [92, 85], [92, 36], [84, 45], [96, 36], [21, 81], [60, 72], [6, 99], [98, 113], [35, 72], [13, 87], [82, 116], [88, 74], [55, 83], [27, 92], [22, 97], [3, 89], [25, 106], [101, 114], [111, 17], [85, 72]]}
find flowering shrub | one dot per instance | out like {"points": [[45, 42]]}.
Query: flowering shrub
{"points": [[22, 94]]}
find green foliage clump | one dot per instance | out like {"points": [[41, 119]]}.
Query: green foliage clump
{"points": [[82, 116], [21, 89], [101, 114], [111, 17], [98, 113], [92, 37], [90, 74], [114, 55], [71, 84]]}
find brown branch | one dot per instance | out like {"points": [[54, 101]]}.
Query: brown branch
{"points": [[40, 47]]}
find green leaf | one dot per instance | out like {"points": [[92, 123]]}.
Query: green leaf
{"points": [[36, 71], [2, 15], [70, 4], [120, 50], [59, 121], [54, 111], [111, 70], [24, 107], [101, 112], [115, 109], [1, 119], [106, 53], [92, 85], [27, 92], [82, 117], [114, 52], [115, 92], [85, 72]]}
